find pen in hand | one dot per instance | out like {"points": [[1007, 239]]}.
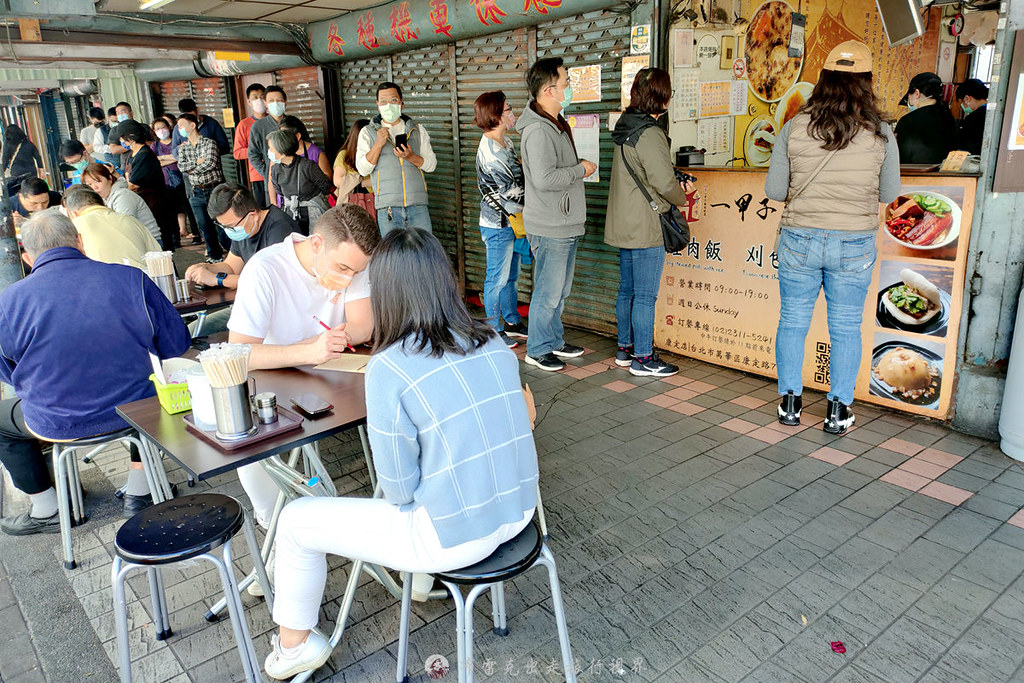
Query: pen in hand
{"points": [[328, 328]]}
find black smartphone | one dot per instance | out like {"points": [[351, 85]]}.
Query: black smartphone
{"points": [[311, 405], [401, 140]]}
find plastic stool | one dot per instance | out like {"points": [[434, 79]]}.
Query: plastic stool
{"points": [[70, 503], [178, 530], [511, 559]]}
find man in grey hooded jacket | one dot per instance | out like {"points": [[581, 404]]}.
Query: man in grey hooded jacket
{"points": [[555, 210]]}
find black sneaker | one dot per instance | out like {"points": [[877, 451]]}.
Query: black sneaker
{"points": [[26, 525], [516, 330], [839, 417], [135, 504], [652, 366], [789, 410], [547, 362], [569, 351], [509, 342], [197, 240], [624, 356]]}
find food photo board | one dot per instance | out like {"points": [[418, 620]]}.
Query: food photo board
{"points": [[719, 301]]}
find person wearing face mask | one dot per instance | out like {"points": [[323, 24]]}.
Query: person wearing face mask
{"points": [[554, 211], [172, 176], [299, 183], [107, 236], [124, 113], [928, 132], [283, 291], [255, 98], [973, 96], [259, 157], [146, 179], [397, 171], [208, 127], [199, 161], [499, 174], [88, 134], [74, 154], [100, 144], [633, 227], [118, 197]]}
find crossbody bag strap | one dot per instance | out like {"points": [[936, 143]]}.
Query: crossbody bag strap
{"points": [[11, 160], [647, 195], [814, 174]]}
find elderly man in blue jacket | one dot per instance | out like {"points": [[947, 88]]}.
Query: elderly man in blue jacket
{"points": [[75, 338]]}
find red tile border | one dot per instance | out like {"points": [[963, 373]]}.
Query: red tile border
{"points": [[901, 446], [1017, 519], [938, 457], [682, 393], [677, 380], [923, 468], [687, 408], [701, 387], [663, 400], [739, 425], [904, 479], [832, 456], [748, 402], [768, 435], [946, 493], [619, 386], [579, 373]]}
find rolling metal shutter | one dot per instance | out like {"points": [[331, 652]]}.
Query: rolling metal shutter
{"points": [[170, 93], [428, 94], [496, 62], [600, 37], [359, 88], [211, 97], [305, 99]]}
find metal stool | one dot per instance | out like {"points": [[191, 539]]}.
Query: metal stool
{"points": [[511, 559], [70, 504], [174, 531]]}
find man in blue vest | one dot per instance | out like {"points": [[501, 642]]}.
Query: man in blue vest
{"points": [[395, 152]]}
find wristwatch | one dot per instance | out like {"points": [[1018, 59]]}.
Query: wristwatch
{"points": [[220, 279]]}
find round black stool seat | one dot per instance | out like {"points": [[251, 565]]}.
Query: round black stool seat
{"points": [[509, 560], [99, 438], [179, 529]]}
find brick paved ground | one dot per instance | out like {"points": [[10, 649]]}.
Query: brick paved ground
{"points": [[696, 541]]}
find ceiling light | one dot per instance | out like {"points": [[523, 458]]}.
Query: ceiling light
{"points": [[153, 4]]}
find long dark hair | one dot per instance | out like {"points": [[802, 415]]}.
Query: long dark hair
{"points": [[415, 300], [352, 142], [841, 105], [14, 135]]}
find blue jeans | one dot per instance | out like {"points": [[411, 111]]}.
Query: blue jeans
{"points": [[841, 261], [554, 260], [212, 235], [389, 218], [500, 298], [639, 278]]}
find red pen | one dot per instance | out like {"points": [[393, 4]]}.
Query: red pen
{"points": [[328, 328]]}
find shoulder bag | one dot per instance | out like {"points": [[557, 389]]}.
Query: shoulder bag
{"points": [[799, 191], [675, 231]]}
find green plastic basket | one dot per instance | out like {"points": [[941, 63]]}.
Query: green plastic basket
{"points": [[174, 398]]}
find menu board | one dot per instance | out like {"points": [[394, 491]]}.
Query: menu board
{"points": [[719, 301]]}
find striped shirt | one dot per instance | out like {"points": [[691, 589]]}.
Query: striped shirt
{"points": [[452, 435]]}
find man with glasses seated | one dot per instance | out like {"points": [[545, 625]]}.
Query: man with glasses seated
{"points": [[284, 294], [396, 153]]}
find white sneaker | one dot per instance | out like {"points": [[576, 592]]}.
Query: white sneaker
{"points": [[255, 589], [312, 654]]}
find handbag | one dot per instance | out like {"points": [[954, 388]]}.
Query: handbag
{"points": [[675, 231], [10, 162], [363, 200]]}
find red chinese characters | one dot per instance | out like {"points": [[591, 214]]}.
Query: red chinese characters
{"points": [[401, 23], [439, 17], [334, 41], [541, 6], [365, 32], [488, 12]]}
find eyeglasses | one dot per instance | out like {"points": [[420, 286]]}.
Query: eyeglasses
{"points": [[229, 227], [393, 100]]}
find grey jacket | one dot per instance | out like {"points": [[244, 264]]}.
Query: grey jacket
{"points": [[397, 182], [556, 205]]}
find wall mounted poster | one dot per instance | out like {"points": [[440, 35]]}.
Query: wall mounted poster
{"points": [[586, 83], [719, 302], [631, 66], [586, 133]]}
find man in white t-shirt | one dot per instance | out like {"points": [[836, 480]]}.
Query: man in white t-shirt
{"points": [[281, 289], [286, 288]]}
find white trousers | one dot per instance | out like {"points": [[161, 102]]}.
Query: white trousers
{"points": [[367, 529], [262, 492]]}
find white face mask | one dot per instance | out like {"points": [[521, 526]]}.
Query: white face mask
{"points": [[276, 109], [163, 134], [258, 106]]}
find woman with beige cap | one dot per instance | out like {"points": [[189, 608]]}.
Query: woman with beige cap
{"points": [[832, 165]]}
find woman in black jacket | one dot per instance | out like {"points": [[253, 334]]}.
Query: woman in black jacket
{"points": [[20, 158]]}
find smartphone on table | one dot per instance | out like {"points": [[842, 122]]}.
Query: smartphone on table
{"points": [[311, 405]]}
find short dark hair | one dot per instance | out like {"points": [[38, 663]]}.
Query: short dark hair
{"points": [[125, 105], [348, 223], [229, 196], [137, 133], [283, 140], [276, 88], [70, 148], [651, 91], [543, 73], [487, 110], [96, 113], [112, 111], [972, 87], [187, 105], [415, 299], [297, 126], [32, 187], [388, 85], [188, 116], [252, 88]]}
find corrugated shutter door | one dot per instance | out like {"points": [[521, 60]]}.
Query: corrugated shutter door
{"points": [[359, 88], [425, 78], [63, 125], [211, 97], [600, 37], [497, 62], [305, 99], [170, 93]]}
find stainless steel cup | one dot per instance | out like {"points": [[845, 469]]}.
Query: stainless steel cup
{"points": [[233, 410], [181, 289], [166, 285]]}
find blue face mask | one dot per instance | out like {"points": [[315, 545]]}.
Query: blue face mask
{"points": [[236, 233], [567, 97], [126, 145], [80, 165], [122, 117]]}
